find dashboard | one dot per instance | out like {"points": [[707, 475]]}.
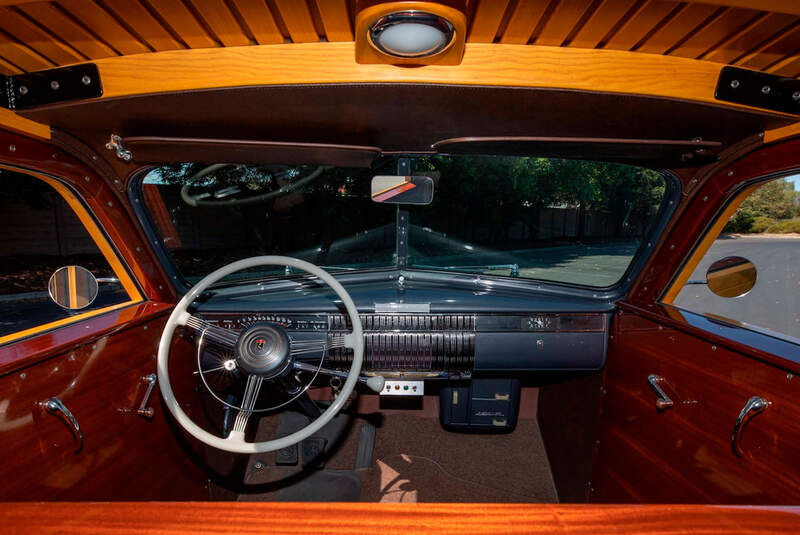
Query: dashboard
{"points": [[421, 332]]}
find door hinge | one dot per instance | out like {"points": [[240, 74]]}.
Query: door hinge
{"points": [[53, 86]]}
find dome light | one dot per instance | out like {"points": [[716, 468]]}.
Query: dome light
{"points": [[411, 34]]}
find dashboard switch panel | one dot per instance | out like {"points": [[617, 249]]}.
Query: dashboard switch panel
{"points": [[403, 388]]}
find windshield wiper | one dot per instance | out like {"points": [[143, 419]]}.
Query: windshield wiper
{"points": [[513, 268]]}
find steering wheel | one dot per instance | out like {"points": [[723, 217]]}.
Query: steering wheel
{"points": [[206, 199], [263, 352]]}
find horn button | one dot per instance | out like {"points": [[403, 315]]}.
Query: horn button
{"points": [[263, 350]]}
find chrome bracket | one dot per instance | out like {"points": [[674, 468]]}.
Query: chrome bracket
{"points": [[755, 405], [663, 401], [56, 406], [115, 144]]}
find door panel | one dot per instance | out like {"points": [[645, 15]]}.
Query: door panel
{"points": [[683, 454], [124, 456]]}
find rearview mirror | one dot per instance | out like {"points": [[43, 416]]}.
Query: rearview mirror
{"points": [[72, 287], [732, 276], [402, 189]]}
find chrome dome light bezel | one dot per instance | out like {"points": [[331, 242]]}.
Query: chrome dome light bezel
{"points": [[381, 24]]}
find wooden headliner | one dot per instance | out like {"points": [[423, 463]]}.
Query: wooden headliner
{"points": [[762, 35]]}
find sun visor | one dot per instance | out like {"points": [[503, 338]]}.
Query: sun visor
{"points": [[651, 152], [176, 150]]}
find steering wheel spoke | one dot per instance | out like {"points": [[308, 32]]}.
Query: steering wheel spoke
{"points": [[226, 338], [251, 391]]}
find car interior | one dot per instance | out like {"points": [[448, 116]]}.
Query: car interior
{"points": [[260, 251]]}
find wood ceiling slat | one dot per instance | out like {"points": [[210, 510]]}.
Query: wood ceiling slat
{"points": [[259, 19], [607, 15], [104, 25], [219, 17], [523, 21], [751, 37], [335, 19], [486, 20], [563, 20], [297, 17], [772, 51], [640, 24], [144, 24], [22, 56], [59, 24], [787, 67], [180, 19], [7, 68], [731, 22], [39, 40], [677, 28]]}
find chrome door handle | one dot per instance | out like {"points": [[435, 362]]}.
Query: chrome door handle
{"points": [[663, 401], [755, 405], [56, 406]]}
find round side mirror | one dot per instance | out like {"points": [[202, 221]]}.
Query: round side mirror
{"points": [[732, 276], [72, 287]]}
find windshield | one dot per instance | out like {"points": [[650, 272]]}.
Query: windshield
{"points": [[567, 221]]}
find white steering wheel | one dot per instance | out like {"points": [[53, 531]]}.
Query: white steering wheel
{"points": [[263, 357]]}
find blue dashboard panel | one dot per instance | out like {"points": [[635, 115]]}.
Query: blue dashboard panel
{"points": [[540, 351], [448, 328]]}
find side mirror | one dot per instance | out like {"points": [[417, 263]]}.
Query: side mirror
{"points": [[72, 287], [402, 189], [732, 276]]}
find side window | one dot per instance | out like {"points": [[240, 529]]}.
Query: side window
{"points": [[43, 228], [750, 272]]}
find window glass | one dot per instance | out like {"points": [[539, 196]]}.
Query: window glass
{"points": [[764, 229], [574, 222], [39, 234]]}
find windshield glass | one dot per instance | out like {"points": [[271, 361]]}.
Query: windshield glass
{"points": [[568, 221]]}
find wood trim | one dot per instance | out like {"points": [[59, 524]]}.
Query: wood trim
{"points": [[9, 120], [483, 64], [708, 239], [781, 133], [231, 517], [105, 248], [790, 7]]}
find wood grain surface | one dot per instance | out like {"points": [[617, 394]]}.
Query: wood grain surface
{"points": [[483, 64], [456, 518]]}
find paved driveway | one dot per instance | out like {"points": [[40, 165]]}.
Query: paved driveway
{"points": [[774, 302]]}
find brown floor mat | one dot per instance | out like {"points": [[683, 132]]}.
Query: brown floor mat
{"points": [[417, 461]]}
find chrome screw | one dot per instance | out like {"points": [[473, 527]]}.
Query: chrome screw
{"points": [[796, 96], [86, 80], [766, 89], [734, 84], [12, 148], [23, 90], [54, 85]]}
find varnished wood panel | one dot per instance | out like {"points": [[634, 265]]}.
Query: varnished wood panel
{"points": [[683, 454], [719, 30], [222, 22], [335, 19], [124, 456], [24, 30], [64, 28], [184, 23], [259, 20], [147, 27], [483, 64], [524, 20], [105, 26], [297, 19], [455, 518], [607, 15]]}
